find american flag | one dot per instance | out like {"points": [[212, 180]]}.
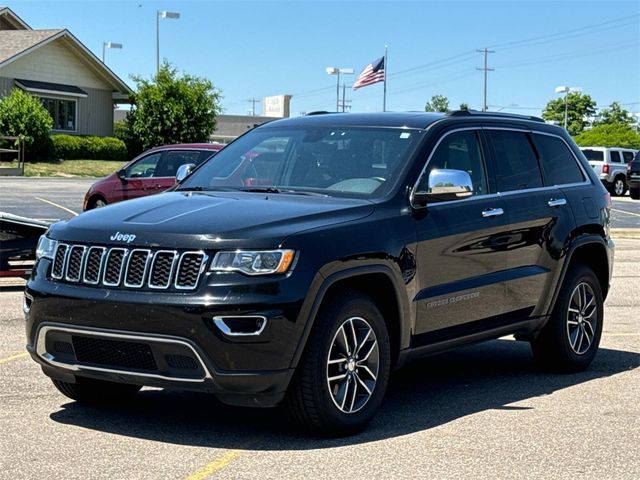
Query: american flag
{"points": [[372, 73]]}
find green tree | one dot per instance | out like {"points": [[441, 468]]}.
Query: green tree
{"points": [[464, 106], [438, 103], [609, 135], [172, 109], [22, 115], [580, 106], [615, 114]]}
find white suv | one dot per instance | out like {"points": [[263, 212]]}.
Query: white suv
{"points": [[610, 164]]}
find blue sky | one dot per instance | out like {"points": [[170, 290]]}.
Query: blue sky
{"points": [[259, 48]]}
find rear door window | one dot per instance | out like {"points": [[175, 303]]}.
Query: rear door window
{"points": [[516, 164], [615, 157], [558, 163], [173, 159]]}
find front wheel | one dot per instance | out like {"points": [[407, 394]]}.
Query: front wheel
{"points": [[569, 341], [342, 378]]}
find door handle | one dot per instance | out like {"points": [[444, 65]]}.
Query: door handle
{"points": [[557, 202], [492, 212]]}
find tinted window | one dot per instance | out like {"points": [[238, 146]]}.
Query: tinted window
{"points": [[615, 157], [459, 151], [628, 156], [173, 159], [145, 167], [558, 164], [596, 155], [516, 162]]}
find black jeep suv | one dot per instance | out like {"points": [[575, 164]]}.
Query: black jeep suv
{"points": [[312, 256]]}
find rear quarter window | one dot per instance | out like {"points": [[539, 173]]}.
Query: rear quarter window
{"points": [[595, 155], [559, 166]]}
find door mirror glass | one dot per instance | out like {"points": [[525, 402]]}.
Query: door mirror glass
{"points": [[184, 171], [122, 174]]}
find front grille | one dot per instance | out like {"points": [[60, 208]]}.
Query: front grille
{"points": [[181, 362], [128, 268], [114, 353]]}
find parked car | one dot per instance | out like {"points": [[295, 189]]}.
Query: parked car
{"points": [[151, 172], [633, 177], [610, 164], [367, 240]]}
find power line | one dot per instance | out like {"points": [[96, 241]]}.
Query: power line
{"points": [[486, 70]]}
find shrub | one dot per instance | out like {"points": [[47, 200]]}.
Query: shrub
{"points": [[75, 147], [609, 135], [25, 116]]}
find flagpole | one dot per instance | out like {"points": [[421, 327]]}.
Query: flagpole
{"points": [[386, 71]]}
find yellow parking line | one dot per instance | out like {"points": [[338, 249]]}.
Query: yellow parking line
{"points": [[56, 205], [215, 466], [13, 357]]}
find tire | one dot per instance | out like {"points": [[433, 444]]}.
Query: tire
{"points": [[98, 203], [87, 390], [619, 186], [634, 193], [320, 402], [569, 341]]}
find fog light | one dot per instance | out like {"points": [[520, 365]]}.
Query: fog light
{"points": [[241, 326]]}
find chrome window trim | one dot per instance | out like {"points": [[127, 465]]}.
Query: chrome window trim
{"points": [[122, 265], [64, 261], [146, 267], [203, 265], [171, 271], [509, 192], [84, 271], [80, 270], [224, 328], [41, 351]]}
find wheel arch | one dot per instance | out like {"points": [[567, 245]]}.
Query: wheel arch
{"points": [[376, 281], [92, 200]]}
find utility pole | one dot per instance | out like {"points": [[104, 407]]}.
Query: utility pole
{"points": [[485, 69], [253, 102]]}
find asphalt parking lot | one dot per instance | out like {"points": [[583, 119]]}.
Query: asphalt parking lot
{"points": [[479, 412], [61, 198]]}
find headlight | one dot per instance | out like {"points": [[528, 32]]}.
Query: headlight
{"points": [[263, 262], [46, 247]]}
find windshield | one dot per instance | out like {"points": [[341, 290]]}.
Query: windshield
{"points": [[344, 161], [597, 155]]}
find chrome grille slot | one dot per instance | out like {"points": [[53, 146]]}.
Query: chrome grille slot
{"points": [[189, 269], [162, 268], [59, 260], [137, 268], [113, 267], [129, 268], [93, 265], [75, 259]]}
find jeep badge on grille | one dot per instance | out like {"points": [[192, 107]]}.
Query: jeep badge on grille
{"points": [[122, 237]]}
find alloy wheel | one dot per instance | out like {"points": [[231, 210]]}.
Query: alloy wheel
{"points": [[582, 318], [619, 187], [352, 365]]}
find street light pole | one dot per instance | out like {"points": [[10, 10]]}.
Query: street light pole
{"points": [[106, 45], [162, 14], [337, 71], [566, 90]]}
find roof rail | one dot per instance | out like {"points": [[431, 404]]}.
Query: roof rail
{"points": [[319, 112], [515, 116]]}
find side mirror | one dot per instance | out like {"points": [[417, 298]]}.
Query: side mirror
{"points": [[184, 171], [444, 185], [122, 174]]}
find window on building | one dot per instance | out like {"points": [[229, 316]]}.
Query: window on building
{"points": [[63, 113]]}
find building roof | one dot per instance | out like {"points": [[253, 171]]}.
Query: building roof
{"points": [[16, 43], [12, 19]]}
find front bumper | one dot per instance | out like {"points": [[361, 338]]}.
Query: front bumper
{"points": [[240, 370]]}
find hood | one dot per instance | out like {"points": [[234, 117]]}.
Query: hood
{"points": [[209, 219]]}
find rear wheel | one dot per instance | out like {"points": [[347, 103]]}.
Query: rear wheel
{"points": [[619, 186], [88, 390], [570, 339], [342, 378], [634, 193]]}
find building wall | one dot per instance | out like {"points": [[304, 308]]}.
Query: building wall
{"points": [[94, 114]]}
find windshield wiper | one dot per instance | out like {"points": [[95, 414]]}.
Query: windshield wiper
{"points": [[279, 190], [190, 189]]}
